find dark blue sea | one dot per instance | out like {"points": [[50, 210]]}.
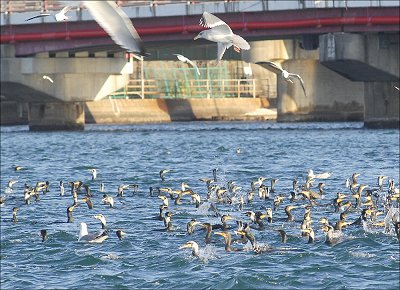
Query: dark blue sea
{"points": [[148, 257]]}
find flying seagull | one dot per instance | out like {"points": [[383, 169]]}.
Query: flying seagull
{"points": [[287, 76], [186, 60], [117, 24], [60, 16], [48, 78], [220, 33]]}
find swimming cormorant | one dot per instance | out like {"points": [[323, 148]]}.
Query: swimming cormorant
{"points": [[208, 228], [191, 225], [194, 246], [69, 214], [88, 202], [228, 241], [283, 235], [163, 173], [108, 200], [102, 219], [223, 225], [14, 212], [120, 234], [43, 234]]}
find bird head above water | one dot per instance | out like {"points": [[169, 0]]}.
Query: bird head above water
{"points": [[191, 225], [43, 234], [225, 218], [102, 219], [227, 238], [192, 245], [324, 221], [120, 234]]}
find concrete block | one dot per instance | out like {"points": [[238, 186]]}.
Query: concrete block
{"points": [[56, 116], [82, 54]]}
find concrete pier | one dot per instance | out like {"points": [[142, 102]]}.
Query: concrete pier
{"points": [[330, 97], [57, 116], [372, 60], [381, 105]]}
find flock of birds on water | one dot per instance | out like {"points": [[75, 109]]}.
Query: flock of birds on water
{"points": [[243, 211], [375, 206], [121, 30]]}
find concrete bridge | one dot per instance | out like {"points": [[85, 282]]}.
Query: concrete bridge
{"points": [[346, 51]]}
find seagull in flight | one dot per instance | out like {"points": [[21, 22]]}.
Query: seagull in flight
{"points": [[48, 78], [220, 33], [117, 24], [287, 76], [184, 59], [60, 16]]}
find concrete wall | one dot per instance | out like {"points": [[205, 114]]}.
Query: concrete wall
{"points": [[166, 110]]}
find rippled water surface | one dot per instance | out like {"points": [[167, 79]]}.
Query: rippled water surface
{"points": [[148, 256]]}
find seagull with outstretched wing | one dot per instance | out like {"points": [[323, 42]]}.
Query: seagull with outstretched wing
{"points": [[117, 24], [184, 59], [220, 33], [287, 76]]}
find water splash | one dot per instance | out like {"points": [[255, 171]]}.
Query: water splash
{"points": [[110, 256], [361, 254]]}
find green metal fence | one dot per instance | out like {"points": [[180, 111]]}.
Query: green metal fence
{"points": [[177, 82]]}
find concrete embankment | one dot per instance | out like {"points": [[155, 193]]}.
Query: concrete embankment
{"points": [[121, 111]]}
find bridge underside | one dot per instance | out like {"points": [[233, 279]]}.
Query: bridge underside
{"points": [[34, 38]]}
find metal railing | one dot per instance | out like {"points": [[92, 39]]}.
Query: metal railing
{"points": [[10, 6], [195, 88]]}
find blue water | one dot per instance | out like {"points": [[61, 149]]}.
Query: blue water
{"points": [[148, 256]]}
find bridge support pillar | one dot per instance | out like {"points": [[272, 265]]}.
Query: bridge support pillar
{"points": [[56, 116], [374, 60], [381, 105], [329, 96]]}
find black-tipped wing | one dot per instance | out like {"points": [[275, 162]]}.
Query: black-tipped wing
{"points": [[270, 66], [301, 81], [208, 20], [37, 16]]}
